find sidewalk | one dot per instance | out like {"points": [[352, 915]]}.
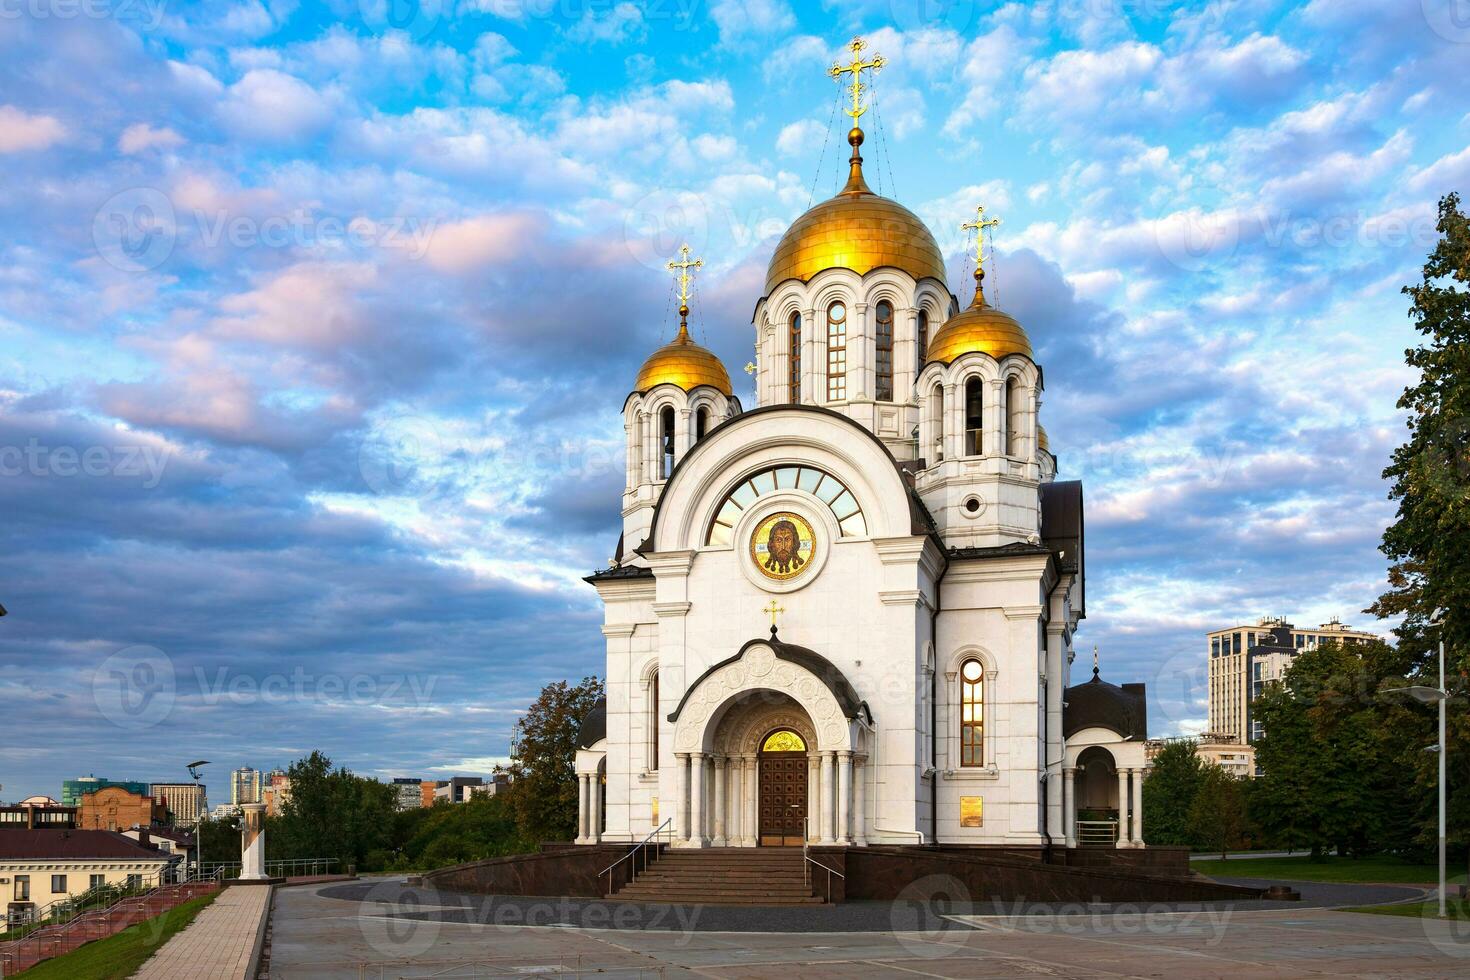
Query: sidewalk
{"points": [[219, 944]]}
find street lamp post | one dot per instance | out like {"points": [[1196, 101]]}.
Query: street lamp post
{"points": [[1437, 695], [193, 768]]}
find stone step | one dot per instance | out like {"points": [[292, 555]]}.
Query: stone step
{"points": [[624, 896]]}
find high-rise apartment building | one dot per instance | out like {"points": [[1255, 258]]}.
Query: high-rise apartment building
{"points": [[186, 802], [244, 786], [1244, 658]]}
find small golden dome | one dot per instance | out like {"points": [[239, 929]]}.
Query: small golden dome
{"points": [[855, 230], [684, 363], [980, 329], [1041, 438]]}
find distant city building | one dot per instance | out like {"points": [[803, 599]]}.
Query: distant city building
{"points": [[38, 812], [409, 792], [245, 786], [1236, 758], [72, 790], [114, 808], [1243, 658], [276, 792], [225, 811], [186, 802], [426, 792], [46, 866], [457, 789]]}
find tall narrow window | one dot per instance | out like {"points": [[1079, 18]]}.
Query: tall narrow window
{"points": [[884, 387], [974, 417], [653, 723], [793, 359], [1014, 415], [972, 714], [938, 423], [921, 349], [701, 423], [836, 352], [666, 437]]}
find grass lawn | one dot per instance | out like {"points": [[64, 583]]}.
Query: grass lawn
{"points": [[1457, 908], [119, 956], [1381, 867]]}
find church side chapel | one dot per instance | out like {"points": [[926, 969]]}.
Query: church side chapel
{"points": [[845, 616]]}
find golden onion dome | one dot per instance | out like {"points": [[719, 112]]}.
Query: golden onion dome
{"points": [[855, 230], [980, 329], [684, 363], [1041, 438]]}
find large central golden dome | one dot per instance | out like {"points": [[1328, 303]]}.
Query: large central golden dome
{"points": [[855, 230]]}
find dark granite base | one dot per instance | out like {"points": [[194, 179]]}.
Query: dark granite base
{"points": [[556, 870]]}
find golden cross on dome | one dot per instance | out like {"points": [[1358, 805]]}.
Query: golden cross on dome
{"points": [[773, 611], [682, 268], [856, 69], [978, 226]]}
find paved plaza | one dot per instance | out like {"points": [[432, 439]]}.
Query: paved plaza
{"points": [[378, 929], [218, 944]]}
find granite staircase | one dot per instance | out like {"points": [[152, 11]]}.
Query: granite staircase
{"points": [[723, 876]]}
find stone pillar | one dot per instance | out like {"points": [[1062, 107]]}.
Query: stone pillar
{"points": [[813, 797], [844, 798], [252, 842], [825, 831], [583, 807], [720, 801], [594, 833], [752, 798], [860, 801], [1137, 824], [697, 836], [1122, 807], [1069, 804], [681, 797]]}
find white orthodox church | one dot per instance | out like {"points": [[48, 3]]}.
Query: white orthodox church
{"points": [[846, 616]]}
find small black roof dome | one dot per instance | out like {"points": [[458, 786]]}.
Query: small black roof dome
{"points": [[1098, 704], [594, 726]]}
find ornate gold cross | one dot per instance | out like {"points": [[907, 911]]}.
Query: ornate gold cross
{"points": [[856, 69], [978, 226], [773, 610], [683, 277]]}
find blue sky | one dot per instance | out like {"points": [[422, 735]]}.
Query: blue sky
{"points": [[316, 321]]}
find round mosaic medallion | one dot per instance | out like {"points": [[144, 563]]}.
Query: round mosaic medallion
{"points": [[781, 546]]}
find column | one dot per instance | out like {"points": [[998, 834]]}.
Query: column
{"points": [[594, 817], [1122, 807], [583, 791], [720, 813], [1069, 804], [825, 830], [954, 421], [813, 797], [859, 801], [752, 798], [844, 798], [1137, 834], [681, 797], [696, 799]]}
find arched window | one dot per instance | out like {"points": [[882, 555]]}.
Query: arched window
{"points": [[884, 387], [972, 713], [819, 483], [701, 423], [1015, 413], [921, 349], [653, 722], [974, 417], [837, 351], [793, 359], [666, 438]]}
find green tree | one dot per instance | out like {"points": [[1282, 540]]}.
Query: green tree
{"points": [[1216, 817], [1427, 543], [543, 788], [1173, 780], [332, 813]]}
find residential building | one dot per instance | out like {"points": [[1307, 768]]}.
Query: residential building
{"points": [[72, 790], [39, 867], [245, 786], [276, 792], [169, 840], [186, 802], [1236, 758], [1243, 658], [409, 792], [114, 808], [426, 792], [38, 812]]}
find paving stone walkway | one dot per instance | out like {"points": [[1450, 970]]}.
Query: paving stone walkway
{"points": [[217, 945]]}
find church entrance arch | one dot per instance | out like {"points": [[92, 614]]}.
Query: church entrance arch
{"points": [[783, 789]]}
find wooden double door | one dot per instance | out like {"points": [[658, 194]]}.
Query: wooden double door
{"points": [[783, 798]]}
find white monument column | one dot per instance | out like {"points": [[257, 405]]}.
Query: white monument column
{"points": [[252, 842], [720, 814], [824, 791], [1122, 807], [696, 799], [1069, 805], [859, 801], [681, 796], [844, 798], [1137, 807]]}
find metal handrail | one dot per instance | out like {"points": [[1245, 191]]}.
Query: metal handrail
{"points": [[641, 845], [830, 873]]}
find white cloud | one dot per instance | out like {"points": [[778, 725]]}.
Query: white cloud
{"points": [[799, 138], [273, 106], [141, 136], [1450, 172], [740, 20], [613, 26], [21, 132]]}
